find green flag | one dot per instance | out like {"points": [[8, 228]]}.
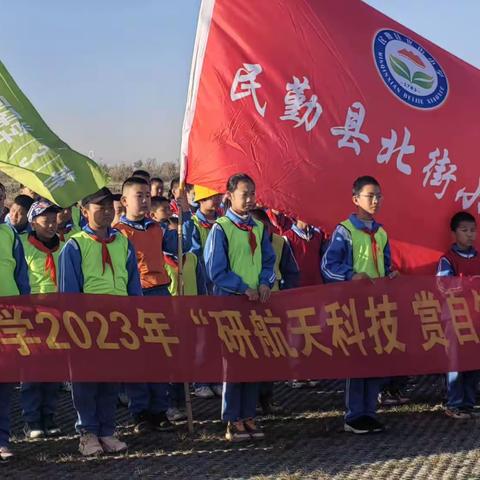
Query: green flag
{"points": [[33, 155]]}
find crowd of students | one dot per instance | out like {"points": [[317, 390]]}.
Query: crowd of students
{"points": [[127, 244]]}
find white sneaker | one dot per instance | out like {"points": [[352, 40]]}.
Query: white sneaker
{"points": [[204, 392], [89, 445], [5, 453], [175, 414], [112, 444]]}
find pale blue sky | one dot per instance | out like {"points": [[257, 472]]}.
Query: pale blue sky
{"points": [[111, 76]]}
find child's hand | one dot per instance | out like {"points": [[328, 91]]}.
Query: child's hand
{"points": [[251, 294], [361, 276], [393, 274], [264, 292]]}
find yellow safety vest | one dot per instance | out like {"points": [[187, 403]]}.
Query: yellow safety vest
{"points": [[189, 273], [363, 257], [94, 279], [40, 280], [242, 262], [8, 285]]}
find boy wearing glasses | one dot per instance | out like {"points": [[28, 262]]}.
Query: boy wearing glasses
{"points": [[359, 250]]}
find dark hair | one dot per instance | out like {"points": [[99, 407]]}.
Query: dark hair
{"points": [[361, 182], [134, 181], [24, 201], [261, 215], [157, 180], [461, 217], [116, 197], [141, 173], [234, 180], [173, 181], [157, 201]]}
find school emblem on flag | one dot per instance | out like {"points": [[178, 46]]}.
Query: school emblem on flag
{"points": [[409, 71]]}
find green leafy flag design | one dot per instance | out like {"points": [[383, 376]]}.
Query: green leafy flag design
{"points": [[33, 155], [400, 67], [422, 80], [419, 78]]}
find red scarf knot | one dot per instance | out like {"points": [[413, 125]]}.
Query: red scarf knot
{"points": [[252, 239], [50, 267], [106, 258]]}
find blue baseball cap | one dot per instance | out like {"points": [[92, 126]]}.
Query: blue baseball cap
{"points": [[40, 207]]}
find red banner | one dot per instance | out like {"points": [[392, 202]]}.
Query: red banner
{"points": [[404, 326], [307, 95]]}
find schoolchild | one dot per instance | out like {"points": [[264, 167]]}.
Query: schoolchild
{"points": [[240, 260]]}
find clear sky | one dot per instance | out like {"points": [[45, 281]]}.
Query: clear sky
{"points": [[111, 76]]}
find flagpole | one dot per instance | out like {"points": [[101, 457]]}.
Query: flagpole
{"points": [[180, 283], [203, 30]]}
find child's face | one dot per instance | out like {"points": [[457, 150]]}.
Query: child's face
{"points": [[212, 204], [162, 213], [301, 225], [176, 190], [118, 208], [18, 216], [242, 198], [64, 216], [191, 196], [99, 215], [136, 200], [369, 200], [465, 234], [45, 225], [156, 189]]}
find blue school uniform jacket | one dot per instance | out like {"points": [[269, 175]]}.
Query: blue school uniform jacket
{"points": [[337, 261], [225, 281]]}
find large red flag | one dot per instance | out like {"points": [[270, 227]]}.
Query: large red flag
{"points": [[307, 95]]}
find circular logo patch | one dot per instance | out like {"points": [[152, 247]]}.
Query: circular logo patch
{"points": [[409, 71]]}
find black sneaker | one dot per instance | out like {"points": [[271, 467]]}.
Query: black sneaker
{"points": [[161, 423], [375, 425], [50, 427], [143, 422], [33, 430], [360, 426]]}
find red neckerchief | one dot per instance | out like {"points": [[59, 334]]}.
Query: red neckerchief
{"points": [[172, 261], [49, 261], [205, 224], [106, 258], [373, 241], [174, 206], [252, 239]]}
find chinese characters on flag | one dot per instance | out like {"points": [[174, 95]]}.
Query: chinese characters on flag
{"points": [[353, 95]]}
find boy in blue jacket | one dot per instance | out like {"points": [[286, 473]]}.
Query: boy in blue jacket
{"points": [[359, 250], [98, 260]]}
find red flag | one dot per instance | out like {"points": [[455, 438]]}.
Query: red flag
{"points": [[305, 96]]}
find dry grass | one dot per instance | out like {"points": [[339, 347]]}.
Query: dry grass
{"points": [[116, 173]]}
